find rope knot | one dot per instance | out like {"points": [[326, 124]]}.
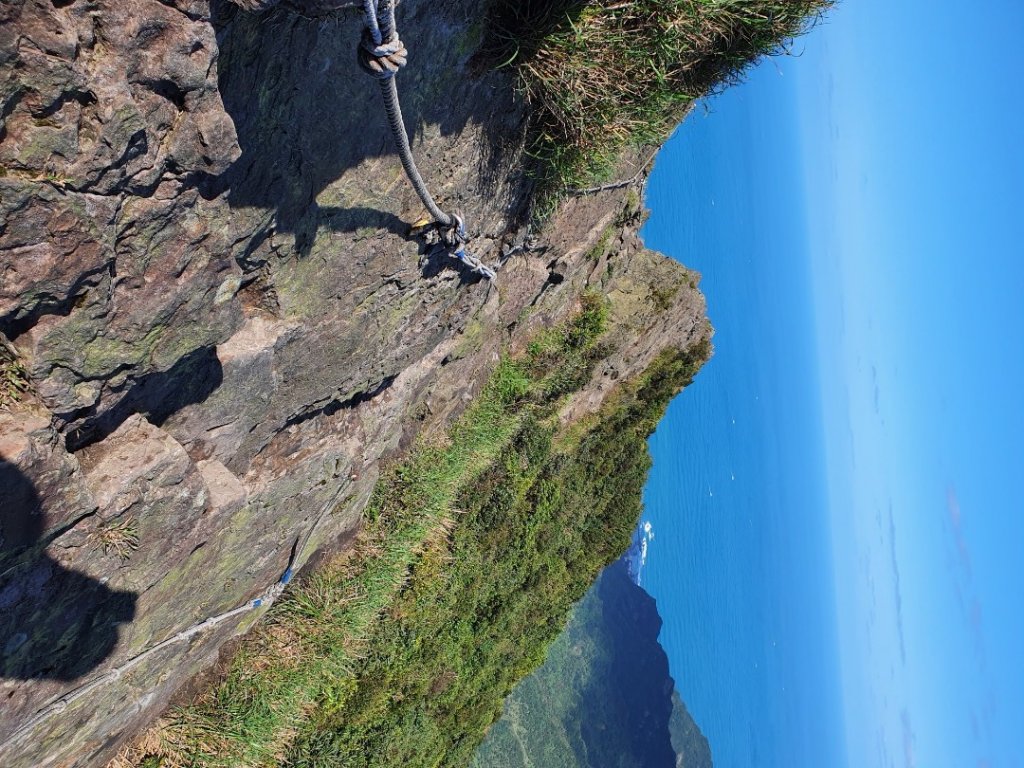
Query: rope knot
{"points": [[381, 60], [454, 235], [453, 238]]}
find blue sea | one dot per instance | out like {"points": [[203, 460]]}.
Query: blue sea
{"points": [[738, 544]]}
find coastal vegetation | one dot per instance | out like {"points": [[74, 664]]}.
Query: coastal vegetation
{"points": [[605, 75], [483, 603], [401, 651]]}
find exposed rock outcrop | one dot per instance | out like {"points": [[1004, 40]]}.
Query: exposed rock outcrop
{"points": [[206, 275]]}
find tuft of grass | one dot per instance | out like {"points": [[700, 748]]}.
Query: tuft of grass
{"points": [[14, 382], [120, 536], [606, 74], [601, 247]]}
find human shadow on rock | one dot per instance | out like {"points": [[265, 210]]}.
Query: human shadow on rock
{"points": [[304, 113], [55, 623]]}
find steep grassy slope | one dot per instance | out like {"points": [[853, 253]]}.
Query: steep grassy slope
{"points": [[604, 75], [401, 652]]}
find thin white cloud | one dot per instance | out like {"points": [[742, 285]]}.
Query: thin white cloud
{"points": [[963, 576], [898, 595], [909, 740]]}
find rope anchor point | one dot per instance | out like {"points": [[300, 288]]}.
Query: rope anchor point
{"points": [[381, 54]]}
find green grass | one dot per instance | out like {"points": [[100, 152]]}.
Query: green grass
{"points": [[604, 75], [485, 599]]}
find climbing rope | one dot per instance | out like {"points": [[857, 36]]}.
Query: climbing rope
{"points": [[59, 704], [381, 54]]}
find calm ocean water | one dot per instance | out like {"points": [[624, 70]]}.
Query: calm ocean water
{"points": [[740, 561]]}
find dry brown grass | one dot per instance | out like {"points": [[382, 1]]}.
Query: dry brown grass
{"points": [[604, 74]]}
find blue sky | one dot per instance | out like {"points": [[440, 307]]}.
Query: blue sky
{"points": [[911, 120]]}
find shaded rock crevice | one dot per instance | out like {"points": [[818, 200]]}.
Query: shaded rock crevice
{"points": [[336, 404]]}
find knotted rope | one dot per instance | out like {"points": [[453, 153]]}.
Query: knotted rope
{"points": [[455, 239], [381, 54], [381, 60]]}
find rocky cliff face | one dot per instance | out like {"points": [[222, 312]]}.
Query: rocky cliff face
{"points": [[214, 325]]}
